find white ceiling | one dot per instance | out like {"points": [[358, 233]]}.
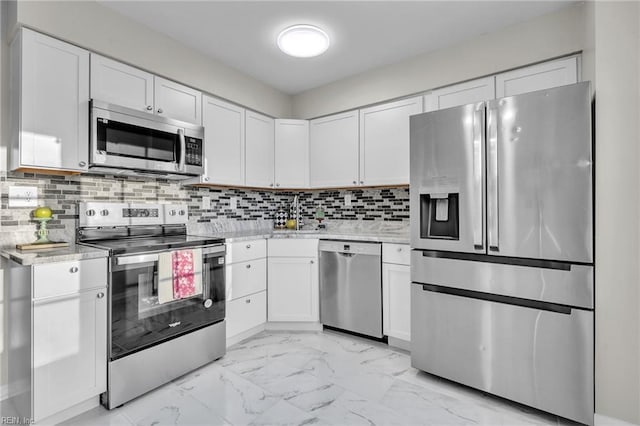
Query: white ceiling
{"points": [[364, 35]]}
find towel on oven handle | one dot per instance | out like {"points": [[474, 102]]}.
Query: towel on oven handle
{"points": [[179, 275]]}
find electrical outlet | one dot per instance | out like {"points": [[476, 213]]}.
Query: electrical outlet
{"points": [[233, 203], [347, 200], [206, 203], [23, 196]]}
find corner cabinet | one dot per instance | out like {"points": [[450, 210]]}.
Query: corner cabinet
{"points": [[333, 151], [384, 142], [259, 150], [291, 153], [293, 283], [49, 98]]}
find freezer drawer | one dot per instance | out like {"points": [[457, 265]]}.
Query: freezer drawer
{"points": [[540, 358], [351, 286]]}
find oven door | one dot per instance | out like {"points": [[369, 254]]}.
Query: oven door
{"points": [[138, 320]]}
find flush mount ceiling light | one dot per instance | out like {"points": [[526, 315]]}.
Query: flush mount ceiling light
{"points": [[303, 41]]}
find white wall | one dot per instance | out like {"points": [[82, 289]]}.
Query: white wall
{"points": [[617, 55], [542, 38], [95, 27]]}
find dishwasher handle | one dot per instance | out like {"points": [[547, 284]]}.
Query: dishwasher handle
{"points": [[350, 247]]}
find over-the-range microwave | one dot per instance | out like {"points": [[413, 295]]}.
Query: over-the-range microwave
{"points": [[127, 141]]}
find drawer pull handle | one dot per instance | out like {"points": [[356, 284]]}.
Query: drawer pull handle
{"points": [[247, 301], [248, 266], [73, 269], [100, 295], [248, 246]]}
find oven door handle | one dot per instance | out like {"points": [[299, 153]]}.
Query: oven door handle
{"points": [[140, 258]]}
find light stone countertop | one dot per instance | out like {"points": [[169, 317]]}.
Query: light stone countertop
{"points": [[34, 257], [398, 237]]}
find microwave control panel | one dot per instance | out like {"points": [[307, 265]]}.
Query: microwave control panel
{"points": [[193, 156]]}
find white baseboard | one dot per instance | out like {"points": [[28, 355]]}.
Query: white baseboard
{"points": [[245, 335], [399, 343], [602, 420], [294, 326], [16, 388]]}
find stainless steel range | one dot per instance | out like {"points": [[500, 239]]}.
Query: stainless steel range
{"points": [[155, 335]]}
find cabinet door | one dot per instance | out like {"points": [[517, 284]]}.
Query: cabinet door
{"points": [[259, 154], [537, 77], [291, 153], [384, 142], [224, 142], [482, 89], [293, 289], [54, 104], [173, 100], [396, 301], [69, 351], [245, 313], [121, 84], [333, 151]]}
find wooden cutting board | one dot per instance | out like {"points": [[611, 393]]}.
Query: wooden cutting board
{"points": [[49, 245]]}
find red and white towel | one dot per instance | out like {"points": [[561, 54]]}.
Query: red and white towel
{"points": [[179, 275]]}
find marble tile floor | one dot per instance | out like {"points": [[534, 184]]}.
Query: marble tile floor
{"points": [[314, 378]]}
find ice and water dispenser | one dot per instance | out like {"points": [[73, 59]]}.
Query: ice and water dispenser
{"points": [[439, 214]]}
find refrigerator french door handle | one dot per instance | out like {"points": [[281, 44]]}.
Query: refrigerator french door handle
{"points": [[492, 179], [478, 145]]}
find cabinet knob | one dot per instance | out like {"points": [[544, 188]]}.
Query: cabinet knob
{"points": [[247, 301], [361, 182], [100, 295], [355, 182], [399, 249], [206, 179], [248, 246], [73, 269], [82, 164], [311, 262], [149, 107], [271, 184], [277, 184], [159, 110], [249, 266]]}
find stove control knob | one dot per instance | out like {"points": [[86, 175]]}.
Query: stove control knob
{"points": [[181, 213], [208, 303], [90, 212], [104, 212], [172, 213]]}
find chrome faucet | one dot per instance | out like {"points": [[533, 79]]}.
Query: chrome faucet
{"points": [[296, 204]]}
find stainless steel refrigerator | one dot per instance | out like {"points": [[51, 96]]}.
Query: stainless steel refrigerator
{"points": [[502, 248]]}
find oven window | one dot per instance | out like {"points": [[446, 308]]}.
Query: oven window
{"points": [[127, 140], [139, 320]]}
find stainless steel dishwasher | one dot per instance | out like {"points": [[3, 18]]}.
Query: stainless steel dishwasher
{"points": [[351, 286]]}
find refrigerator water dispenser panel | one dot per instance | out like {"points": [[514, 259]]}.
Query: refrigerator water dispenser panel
{"points": [[439, 214]]}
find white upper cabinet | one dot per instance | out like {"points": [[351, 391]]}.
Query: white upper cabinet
{"points": [[537, 77], [49, 112], [482, 89], [333, 151], [177, 101], [121, 84], [384, 142], [259, 150], [292, 153], [223, 142], [124, 85]]}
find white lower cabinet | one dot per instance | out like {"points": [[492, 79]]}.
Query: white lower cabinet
{"points": [[396, 291], [293, 281], [246, 312], [246, 279], [69, 335], [69, 350]]}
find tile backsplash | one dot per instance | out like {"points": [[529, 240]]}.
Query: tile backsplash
{"points": [[62, 194]]}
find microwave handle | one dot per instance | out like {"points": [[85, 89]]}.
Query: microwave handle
{"points": [[183, 150]]}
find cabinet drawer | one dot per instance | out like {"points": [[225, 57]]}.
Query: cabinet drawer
{"points": [[246, 250], [396, 253], [245, 313], [293, 248], [245, 278], [54, 279]]}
